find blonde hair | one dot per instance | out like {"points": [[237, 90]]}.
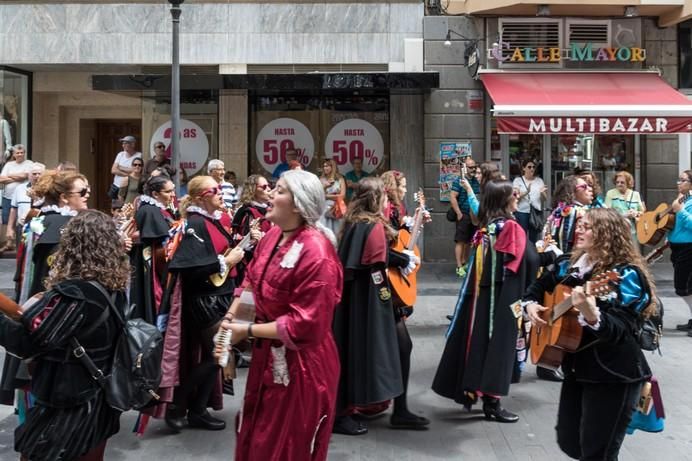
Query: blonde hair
{"points": [[629, 180], [194, 190], [335, 175], [392, 181]]}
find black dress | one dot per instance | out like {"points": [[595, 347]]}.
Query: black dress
{"points": [[480, 351], [364, 322], [150, 271], [71, 415]]}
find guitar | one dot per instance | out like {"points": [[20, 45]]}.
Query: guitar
{"points": [[217, 279], [10, 308], [562, 333], [404, 286], [656, 254], [653, 225]]}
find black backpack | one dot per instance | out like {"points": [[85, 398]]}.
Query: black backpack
{"points": [[136, 371]]}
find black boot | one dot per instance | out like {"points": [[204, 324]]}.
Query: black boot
{"points": [[174, 420], [684, 326], [206, 421], [346, 425], [549, 375], [493, 410], [408, 420]]}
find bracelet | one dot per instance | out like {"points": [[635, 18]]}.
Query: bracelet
{"points": [[249, 331]]}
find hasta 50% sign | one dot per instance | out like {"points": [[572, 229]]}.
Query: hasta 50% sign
{"points": [[355, 139], [280, 135]]}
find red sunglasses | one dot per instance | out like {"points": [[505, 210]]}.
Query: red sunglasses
{"points": [[210, 191]]}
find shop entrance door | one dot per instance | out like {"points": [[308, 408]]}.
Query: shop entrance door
{"points": [[108, 134]]}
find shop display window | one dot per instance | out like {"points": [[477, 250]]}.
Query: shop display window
{"points": [[685, 44], [342, 127], [14, 110]]}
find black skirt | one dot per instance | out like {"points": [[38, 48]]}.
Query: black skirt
{"points": [[681, 257], [204, 311], [64, 434]]}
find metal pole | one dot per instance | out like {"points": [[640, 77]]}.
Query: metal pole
{"points": [[175, 93]]}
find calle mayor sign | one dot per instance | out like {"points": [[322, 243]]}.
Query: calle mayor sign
{"points": [[503, 52]]}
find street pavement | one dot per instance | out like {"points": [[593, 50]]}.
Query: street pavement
{"points": [[454, 433]]}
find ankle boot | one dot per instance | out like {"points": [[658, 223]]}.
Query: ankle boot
{"points": [[493, 410]]}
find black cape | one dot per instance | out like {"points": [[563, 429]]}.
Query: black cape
{"points": [[365, 327], [473, 359]]}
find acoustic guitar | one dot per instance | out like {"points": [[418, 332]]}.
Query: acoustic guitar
{"points": [[217, 279], [653, 225], [404, 286], [562, 333]]}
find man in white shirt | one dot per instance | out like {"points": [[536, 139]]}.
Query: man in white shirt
{"points": [[216, 170], [122, 166], [13, 174], [21, 202]]}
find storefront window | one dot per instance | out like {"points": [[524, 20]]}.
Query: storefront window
{"points": [[344, 128], [685, 42], [198, 128], [603, 154], [14, 110]]}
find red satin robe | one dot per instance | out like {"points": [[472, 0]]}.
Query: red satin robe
{"points": [[292, 420]]}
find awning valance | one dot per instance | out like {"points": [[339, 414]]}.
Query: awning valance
{"points": [[587, 102]]}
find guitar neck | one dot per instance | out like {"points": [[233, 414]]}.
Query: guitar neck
{"points": [[415, 232], [561, 308]]}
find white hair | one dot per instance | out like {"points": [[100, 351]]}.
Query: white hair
{"points": [[38, 166], [308, 197], [214, 164]]}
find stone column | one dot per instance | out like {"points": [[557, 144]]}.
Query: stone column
{"points": [[233, 131]]}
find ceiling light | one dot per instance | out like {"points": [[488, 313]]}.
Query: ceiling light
{"points": [[631, 11], [543, 10]]}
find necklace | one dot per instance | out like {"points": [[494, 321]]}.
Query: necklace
{"points": [[288, 231]]}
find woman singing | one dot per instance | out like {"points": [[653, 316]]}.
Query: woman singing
{"points": [[296, 279], [202, 265], [71, 419], [603, 378], [478, 359]]}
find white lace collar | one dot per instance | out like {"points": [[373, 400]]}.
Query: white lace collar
{"points": [[195, 209], [259, 205], [63, 211], [583, 265], [152, 201]]}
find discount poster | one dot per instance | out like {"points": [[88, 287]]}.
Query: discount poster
{"points": [[451, 155]]}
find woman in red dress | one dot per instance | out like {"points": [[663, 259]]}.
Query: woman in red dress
{"points": [[296, 278]]}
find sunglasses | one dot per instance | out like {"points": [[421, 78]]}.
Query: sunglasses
{"points": [[582, 187], [83, 192], [211, 191], [264, 186]]}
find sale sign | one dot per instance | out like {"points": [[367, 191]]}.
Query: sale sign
{"points": [[280, 135], [351, 139], [194, 145]]}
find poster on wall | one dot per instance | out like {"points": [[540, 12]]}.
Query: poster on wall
{"points": [[194, 145], [355, 139], [451, 154], [280, 135]]}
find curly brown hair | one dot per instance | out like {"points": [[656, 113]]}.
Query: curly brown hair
{"points": [[249, 189], [613, 246], [392, 181], [366, 205], [91, 249]]}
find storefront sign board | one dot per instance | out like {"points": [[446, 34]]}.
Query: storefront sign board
{"points": [[504, 52], [351, 139], [280, 135], [619, 125], [194, 145]]}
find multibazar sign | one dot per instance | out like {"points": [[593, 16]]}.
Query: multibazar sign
{"points": [[504, 52], [561, 125]]}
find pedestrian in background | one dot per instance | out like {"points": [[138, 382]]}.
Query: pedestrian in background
{"points": [[216, 170], [464, 224], [625, 199], [122, 165], [680, 239], [532, 194], [334, 192], [133, 188], [14, 173]]}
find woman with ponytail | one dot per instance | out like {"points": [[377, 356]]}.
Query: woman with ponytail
{"points": [[296, 279]]}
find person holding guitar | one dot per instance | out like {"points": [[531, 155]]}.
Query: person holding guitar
{"points": [[479, 355], [604, 376], [680, 239], [201, 266], [403, 263]]}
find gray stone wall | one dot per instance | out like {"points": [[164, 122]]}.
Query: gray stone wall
{"points": [[212, 33], [660, 153], [448, 118]]}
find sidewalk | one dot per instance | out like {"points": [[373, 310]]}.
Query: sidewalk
{"points": [[454, 433]]}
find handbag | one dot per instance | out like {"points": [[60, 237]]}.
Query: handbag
{"points": [[536, 221], [338, 210], [451, 215]]}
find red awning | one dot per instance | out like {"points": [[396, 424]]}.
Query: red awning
{"points": [[587, 102]]}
